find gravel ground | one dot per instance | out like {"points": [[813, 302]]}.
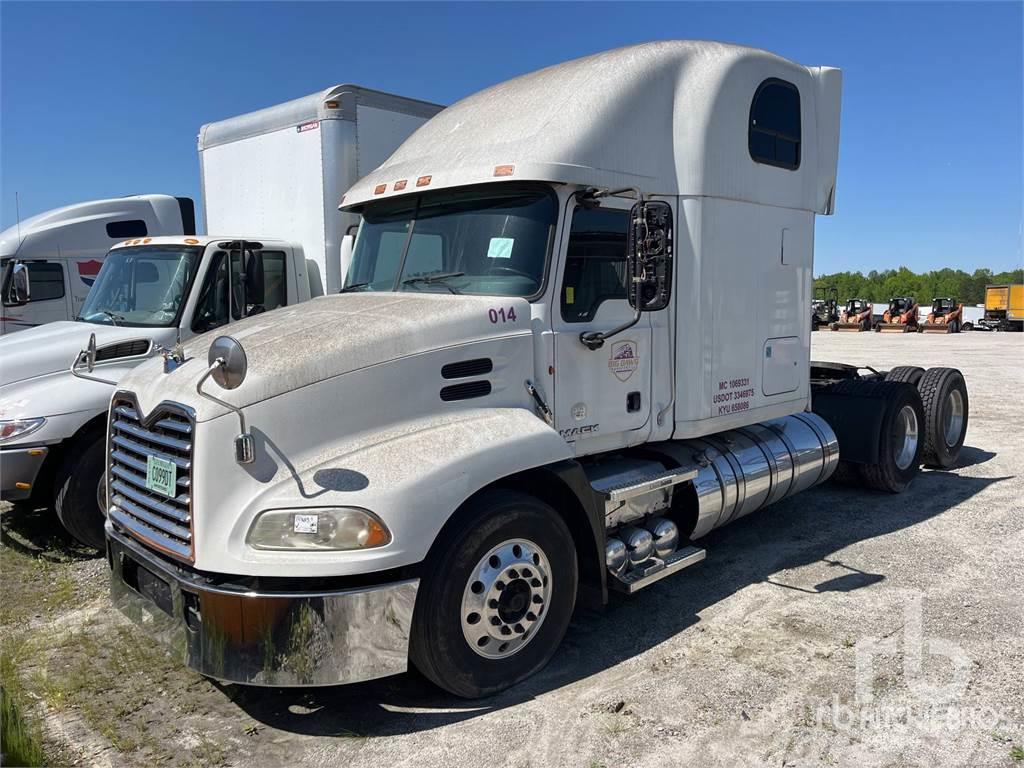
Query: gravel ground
{"points": [[750, 658]]}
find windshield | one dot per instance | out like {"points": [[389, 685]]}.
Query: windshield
{"points": [[143, 286], [491, 241]]}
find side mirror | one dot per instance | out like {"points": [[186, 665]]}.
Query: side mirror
{"points": [[347, 245], [649, 256], [252, 265], [20, 290], [227, 361], [90, 353]]}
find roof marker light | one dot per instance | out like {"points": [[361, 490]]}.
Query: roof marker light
{"points": [[422, 181], [380, 189], [191, 241], [331, 104], [147, 240], [400, 185], [504, 170]]}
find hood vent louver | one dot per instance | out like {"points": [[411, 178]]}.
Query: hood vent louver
{"points": [[466, 391], [466, 368], [132, 348]]}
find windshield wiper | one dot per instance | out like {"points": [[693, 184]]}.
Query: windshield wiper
{"points": [[438, 277], [353, 287], [113, 318]]}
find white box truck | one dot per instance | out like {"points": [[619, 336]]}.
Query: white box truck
{"points": [[50, 260], [272, 180], [530, 393], [282, 170]]}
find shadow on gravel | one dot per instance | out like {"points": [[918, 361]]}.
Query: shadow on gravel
{"points": [[38, 533], [807, 529], [971, 456]]}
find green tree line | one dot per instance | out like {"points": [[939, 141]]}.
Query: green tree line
{"points": [[968, 288]]}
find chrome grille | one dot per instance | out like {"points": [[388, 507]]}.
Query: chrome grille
{"points": [[160, 521]]}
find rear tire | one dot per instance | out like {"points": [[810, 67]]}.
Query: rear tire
{"points": [[901, 443], [491, 557], [78, 490], [946, 408], [911, 374]]}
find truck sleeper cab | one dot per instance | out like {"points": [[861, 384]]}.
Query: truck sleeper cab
{"points": [[528, 393]]}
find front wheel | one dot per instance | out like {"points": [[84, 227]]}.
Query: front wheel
{"points": [[81, 492], [495, 600]]}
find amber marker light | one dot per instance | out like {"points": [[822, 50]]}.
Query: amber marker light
{"points": [[380, 189], [504, 170], [422, 181], [400, 185]]}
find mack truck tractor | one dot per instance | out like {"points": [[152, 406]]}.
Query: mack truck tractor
{"points": [[271, 182], [531, 393]]}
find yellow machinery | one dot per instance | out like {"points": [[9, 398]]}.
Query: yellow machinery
{"points": [[1004, 307], [947, 316], [900, 317]]}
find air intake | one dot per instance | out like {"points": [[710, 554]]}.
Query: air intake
{"points": [[466, 391], [466, 368], [123, 349]]}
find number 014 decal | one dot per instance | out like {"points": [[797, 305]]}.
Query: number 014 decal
{"points": [[502, 315]]}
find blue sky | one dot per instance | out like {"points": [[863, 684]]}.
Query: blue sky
{"points": [[106, 99]]}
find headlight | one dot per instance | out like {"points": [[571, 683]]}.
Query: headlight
{"points": [[19, 428], [333, 528]]}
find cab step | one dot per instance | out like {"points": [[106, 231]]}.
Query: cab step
{"points": [[617, 492], [655, 569]]}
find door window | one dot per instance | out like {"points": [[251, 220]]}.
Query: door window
{"points": [[258, 288], [595, 266], [46, 280]]}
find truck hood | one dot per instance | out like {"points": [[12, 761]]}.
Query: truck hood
{"points": [[51, 347], [293, 347]]}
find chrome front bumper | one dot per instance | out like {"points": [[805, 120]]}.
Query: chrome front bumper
{"points": [[263, 638], [20, 466]]}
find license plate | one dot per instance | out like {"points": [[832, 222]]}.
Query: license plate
{"points": [[161, 475]]}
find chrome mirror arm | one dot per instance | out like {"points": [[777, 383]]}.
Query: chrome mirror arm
{"points": [[245, 445]]}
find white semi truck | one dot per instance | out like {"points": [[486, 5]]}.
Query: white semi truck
{"points": [[272, 180], [530, 393], [51, 260]]}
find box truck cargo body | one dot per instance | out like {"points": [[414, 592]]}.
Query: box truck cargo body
{"points": [[282, 170]]}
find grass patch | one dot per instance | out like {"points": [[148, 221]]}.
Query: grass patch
{"points": [[20, 734], [1017, 754]]}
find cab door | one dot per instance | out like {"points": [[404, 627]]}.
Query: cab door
{"points": [[602, 396]]}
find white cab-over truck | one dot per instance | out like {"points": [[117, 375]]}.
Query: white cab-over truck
{"points": [[51, 260], [530, 393], [280, 171]]}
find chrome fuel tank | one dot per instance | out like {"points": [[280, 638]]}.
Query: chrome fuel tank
{"points": [[743, 470]]}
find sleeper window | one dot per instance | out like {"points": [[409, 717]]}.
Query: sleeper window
{"points": [[774, 130], [595, 266]]}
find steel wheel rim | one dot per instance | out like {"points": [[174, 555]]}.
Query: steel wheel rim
{"points": [[905, 437], [505, 599], [953, 417]]}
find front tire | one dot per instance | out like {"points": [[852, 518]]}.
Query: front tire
{"points": [[79, 492], [495, 600]]}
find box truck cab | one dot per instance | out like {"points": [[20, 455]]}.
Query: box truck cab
{"points": [[273, 177], [51, 260], [533, 390], [151, 294]]}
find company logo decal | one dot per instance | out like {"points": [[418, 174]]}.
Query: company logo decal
{"points": [[87, 270], [310, 126], [624, 359]]}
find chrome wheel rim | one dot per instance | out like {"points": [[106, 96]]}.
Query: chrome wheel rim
{"points": [[505, 599], [101, 495], [904, 437], [953, 417]]}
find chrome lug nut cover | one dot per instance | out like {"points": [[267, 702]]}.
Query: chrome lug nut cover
{"points": [[505, 599]]}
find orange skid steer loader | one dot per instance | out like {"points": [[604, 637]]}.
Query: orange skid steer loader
{"points": [[900, 317], [946, 317], [856, 317]]}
